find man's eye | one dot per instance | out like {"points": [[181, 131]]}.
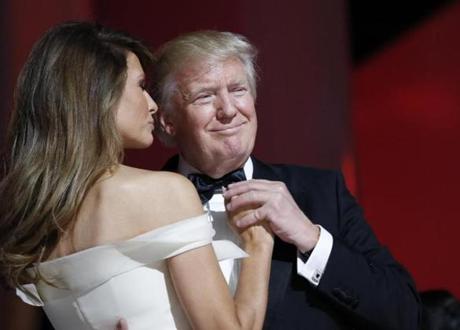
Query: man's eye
{"points": [[203, 98], [239, 90]]}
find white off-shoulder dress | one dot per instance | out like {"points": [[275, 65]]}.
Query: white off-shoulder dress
{"points": [[94, 288]]}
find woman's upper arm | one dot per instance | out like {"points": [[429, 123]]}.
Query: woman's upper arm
{"points": [[196, 275], [202, 290]]}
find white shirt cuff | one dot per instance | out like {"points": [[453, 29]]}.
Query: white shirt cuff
{"points": [[314, 267]]}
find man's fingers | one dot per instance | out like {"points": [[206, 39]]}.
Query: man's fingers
{"points": [[250, 199], [252, 181], [250, 218], [238, 188]]}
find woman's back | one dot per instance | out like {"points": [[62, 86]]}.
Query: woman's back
{"points": [[127, 203], [117, 267]]}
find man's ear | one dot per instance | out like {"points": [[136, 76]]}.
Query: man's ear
{"points": [[167, 124]]}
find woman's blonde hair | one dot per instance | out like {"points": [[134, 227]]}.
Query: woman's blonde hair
{"points": [[62, 137]]}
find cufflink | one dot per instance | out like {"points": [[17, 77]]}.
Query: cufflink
{"points": [[316, 276]]}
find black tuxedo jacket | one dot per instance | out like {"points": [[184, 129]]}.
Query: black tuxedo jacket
{"points": [[363, 287]]}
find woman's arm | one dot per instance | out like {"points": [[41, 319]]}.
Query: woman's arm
{"points": [[205, 296], [203, 292]]}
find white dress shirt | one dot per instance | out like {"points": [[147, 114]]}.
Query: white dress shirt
{"points": [[312, 269]]}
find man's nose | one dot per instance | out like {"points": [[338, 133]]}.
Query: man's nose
{"points": [[225, 109]]}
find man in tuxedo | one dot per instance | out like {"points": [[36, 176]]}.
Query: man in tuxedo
{"points": [[328, 269]]}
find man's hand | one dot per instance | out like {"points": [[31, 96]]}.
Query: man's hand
{"points": [[271, 201]]}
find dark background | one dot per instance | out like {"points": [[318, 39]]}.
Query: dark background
{"points": [[371, 87]]}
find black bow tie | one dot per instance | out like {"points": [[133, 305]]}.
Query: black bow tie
{"points": [[206, 185]]}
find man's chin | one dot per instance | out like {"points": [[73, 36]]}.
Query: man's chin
{"points": [[234, 161], [222, 163]]}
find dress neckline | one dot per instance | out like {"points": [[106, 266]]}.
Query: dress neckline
{"points": [[151, 233]]}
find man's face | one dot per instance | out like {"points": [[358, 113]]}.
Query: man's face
{"points": [[215, 122]]}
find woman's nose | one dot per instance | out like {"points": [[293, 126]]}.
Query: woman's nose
{"points": [[153, 107]]}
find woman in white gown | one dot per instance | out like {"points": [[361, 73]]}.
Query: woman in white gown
{"points": [[94, 241]]}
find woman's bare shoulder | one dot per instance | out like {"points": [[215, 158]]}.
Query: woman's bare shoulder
{"points": [[127, 203], [159, 183], [166, 195]]}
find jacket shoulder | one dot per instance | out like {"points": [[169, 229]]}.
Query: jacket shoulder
{"points": [[295, 174]]}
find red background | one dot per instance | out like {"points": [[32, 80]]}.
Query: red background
{"points": [[393, 123]]}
